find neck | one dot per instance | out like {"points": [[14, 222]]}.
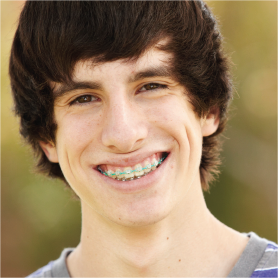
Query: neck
{"points": [[174, 246]]}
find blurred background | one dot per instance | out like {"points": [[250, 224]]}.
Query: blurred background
{"points": [[40, 217]]}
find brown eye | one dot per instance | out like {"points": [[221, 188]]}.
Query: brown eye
{"points": [[151, 86], [84, 99]]}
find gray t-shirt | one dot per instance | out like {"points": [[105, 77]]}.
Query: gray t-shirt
{"points": [[259, 259]]}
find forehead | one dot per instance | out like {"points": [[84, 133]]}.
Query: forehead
{"points": [[91, 74], [152, 60]]}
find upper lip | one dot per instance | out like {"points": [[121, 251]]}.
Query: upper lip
{"points": [[125, 160]]}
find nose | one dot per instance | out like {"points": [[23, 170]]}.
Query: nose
{"points": [[125, 126]]}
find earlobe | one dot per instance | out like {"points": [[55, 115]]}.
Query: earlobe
{"points": [[50, 151], [211, 122]]}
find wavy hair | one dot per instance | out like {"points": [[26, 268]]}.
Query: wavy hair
{"points": [[52, 36]]}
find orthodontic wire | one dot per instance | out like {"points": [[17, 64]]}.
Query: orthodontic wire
{"points": [[131, 171]]}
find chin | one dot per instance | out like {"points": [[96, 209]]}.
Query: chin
{"points": [[140, 215]]}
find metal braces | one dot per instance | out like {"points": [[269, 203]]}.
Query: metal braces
{"points": [[138, 169]]}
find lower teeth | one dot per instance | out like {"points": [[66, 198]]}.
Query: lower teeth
{"points": [[134, 178]]}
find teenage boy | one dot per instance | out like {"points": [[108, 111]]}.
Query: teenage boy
{"points": [[125, 101]]}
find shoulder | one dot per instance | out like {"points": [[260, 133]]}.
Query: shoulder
{"points": [[259, 258], [57, 268], [267, 266], [42, 272]]}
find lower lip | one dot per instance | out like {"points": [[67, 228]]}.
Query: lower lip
{"points": [[136, 185]]}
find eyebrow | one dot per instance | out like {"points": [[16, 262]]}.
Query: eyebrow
{"points": [[72, 86], [162, 71]]}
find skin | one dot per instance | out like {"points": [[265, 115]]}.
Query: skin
{"points": [[161, 227]]}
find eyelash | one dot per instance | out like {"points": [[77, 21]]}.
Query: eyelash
{"points": [[75, 101], [158, 86]]}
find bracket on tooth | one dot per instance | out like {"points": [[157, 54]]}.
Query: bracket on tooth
{"points": [[138, 169]]}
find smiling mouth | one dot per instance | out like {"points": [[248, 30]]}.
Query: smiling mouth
{"points": [[136, 172]]}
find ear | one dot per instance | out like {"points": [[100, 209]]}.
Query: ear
{"points": [[50, 151], [210, 122]]}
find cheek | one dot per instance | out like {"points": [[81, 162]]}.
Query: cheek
{"points": [[173, 115], [75, 132], [176, 117]]}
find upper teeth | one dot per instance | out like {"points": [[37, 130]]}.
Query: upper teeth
{"points": [[128, 173], [138, 168]]}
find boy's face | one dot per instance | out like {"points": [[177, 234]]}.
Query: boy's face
{"points": [[121, 114]]}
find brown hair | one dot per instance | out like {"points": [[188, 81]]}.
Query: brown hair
{"points": [[52, 36]]}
